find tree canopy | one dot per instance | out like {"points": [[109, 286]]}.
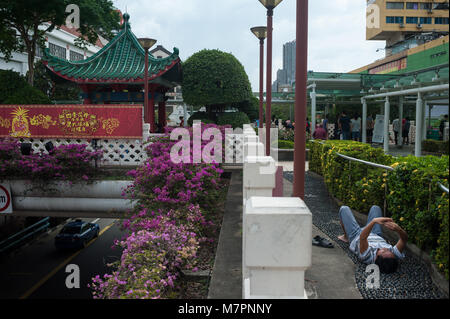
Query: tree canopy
{"points": [[214, 79], [21, 24]]}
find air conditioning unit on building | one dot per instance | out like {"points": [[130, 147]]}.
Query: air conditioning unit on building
{"points": [[402, 25], [419, 26]]}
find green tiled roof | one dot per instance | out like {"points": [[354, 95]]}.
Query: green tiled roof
{"points": [[122, 60]]}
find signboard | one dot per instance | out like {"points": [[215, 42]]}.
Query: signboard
{"points": [[378, 130], [71, 121], [5, 199], [390, 67]]}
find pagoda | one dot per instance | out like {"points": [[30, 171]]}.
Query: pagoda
{"points": [[115, 74]]}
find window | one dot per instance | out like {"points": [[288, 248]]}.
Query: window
{"points": [[57, 51], [441, 6], [425, 20], [425, 6], [412, 20], [39, 51], [441, 20], [395, 5], [75, 56], [412, 5], [394, 20]]}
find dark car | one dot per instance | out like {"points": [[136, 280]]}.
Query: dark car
{"points": [[76, 234]]}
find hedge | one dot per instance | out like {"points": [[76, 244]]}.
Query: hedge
{"points": [[434, 146], [285, 144], [413, 197]]}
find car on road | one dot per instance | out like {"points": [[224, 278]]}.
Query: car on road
{"points": [[76, 234]]}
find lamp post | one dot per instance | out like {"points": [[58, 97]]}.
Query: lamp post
{"points": [[261, 34], [300, 98], [146, 44], [270, 5]]}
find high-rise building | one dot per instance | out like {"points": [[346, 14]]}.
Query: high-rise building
{"points": [[286, 75], [289, 61], [406, 24]]}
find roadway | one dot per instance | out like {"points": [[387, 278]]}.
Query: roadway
{"points": [[38, 270]]}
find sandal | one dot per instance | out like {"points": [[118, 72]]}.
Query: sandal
{"points": [[322, 242]]}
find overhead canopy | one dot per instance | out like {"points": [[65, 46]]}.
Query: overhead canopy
{"points": [[121, 61]]}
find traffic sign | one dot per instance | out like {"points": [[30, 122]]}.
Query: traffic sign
{"points": [[5, 199]]}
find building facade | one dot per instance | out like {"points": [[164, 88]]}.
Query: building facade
{"points": [[406, 24], [60, 42], [286, 76]]}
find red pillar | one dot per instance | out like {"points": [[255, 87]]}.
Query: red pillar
{"points": [[86, 90], [146, 106], [151, 112], [300, 98], [162, 114], [269, 80], [261, 82]]}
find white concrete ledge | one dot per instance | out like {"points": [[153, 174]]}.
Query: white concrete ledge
{"points": [[277, 247]]}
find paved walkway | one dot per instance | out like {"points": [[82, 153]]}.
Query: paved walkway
{"points": [[335, 273], [411, 281]]}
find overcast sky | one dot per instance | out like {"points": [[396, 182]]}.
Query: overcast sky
{"points": [[336, 40]]}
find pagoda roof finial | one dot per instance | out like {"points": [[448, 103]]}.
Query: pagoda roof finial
{"points": [[126, 18]]}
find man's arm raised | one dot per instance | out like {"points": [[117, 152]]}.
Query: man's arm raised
{"points": [[401, 244], [363, 243]]}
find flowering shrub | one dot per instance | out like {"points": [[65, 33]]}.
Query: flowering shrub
{"points": [[150, 262], [414, 199], [65, 162], [168, 225]]}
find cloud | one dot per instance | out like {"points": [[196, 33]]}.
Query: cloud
{"points": [[336, 40]]}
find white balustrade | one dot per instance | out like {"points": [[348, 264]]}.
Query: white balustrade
{"points": [[277, 248]]}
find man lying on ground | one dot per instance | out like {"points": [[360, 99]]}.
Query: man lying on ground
{"points": [[367, 242]]}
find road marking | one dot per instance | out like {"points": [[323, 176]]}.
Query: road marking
{"points": [[95, 220], [65, 262]]}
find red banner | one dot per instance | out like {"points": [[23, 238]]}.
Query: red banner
{"points": [[71, 121]]}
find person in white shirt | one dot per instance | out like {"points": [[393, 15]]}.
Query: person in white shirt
{"points": [[396, 129], [356, 128], [367, 242]]}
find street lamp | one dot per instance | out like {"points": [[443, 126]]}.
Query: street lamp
{"points": [[261, 34], [270, 5], [300, 98], [147, 43]]}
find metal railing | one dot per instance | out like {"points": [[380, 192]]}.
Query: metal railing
{"points": [[387, 168], [445, 189], [24, 234]]}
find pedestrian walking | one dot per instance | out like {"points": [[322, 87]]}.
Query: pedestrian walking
{"points": [[356, 127], [345, 126]]}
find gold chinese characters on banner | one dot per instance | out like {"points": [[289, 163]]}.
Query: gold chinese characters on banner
{"points": [[71, 121]]}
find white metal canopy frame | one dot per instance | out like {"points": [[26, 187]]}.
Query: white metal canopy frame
{"points": [[421, 103]]}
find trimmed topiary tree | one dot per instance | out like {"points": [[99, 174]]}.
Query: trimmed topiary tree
{"points": [[214, 79], [201, 116], [235, 119]]}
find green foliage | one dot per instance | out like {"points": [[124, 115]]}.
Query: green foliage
{"points": [[434, 146], [21, 18], [10, 82], [201, 116], [250, 107], [235, 119], [56, 91], [285, 144], [214, 79], [286, 135], [27, 95], [414, 199]]}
